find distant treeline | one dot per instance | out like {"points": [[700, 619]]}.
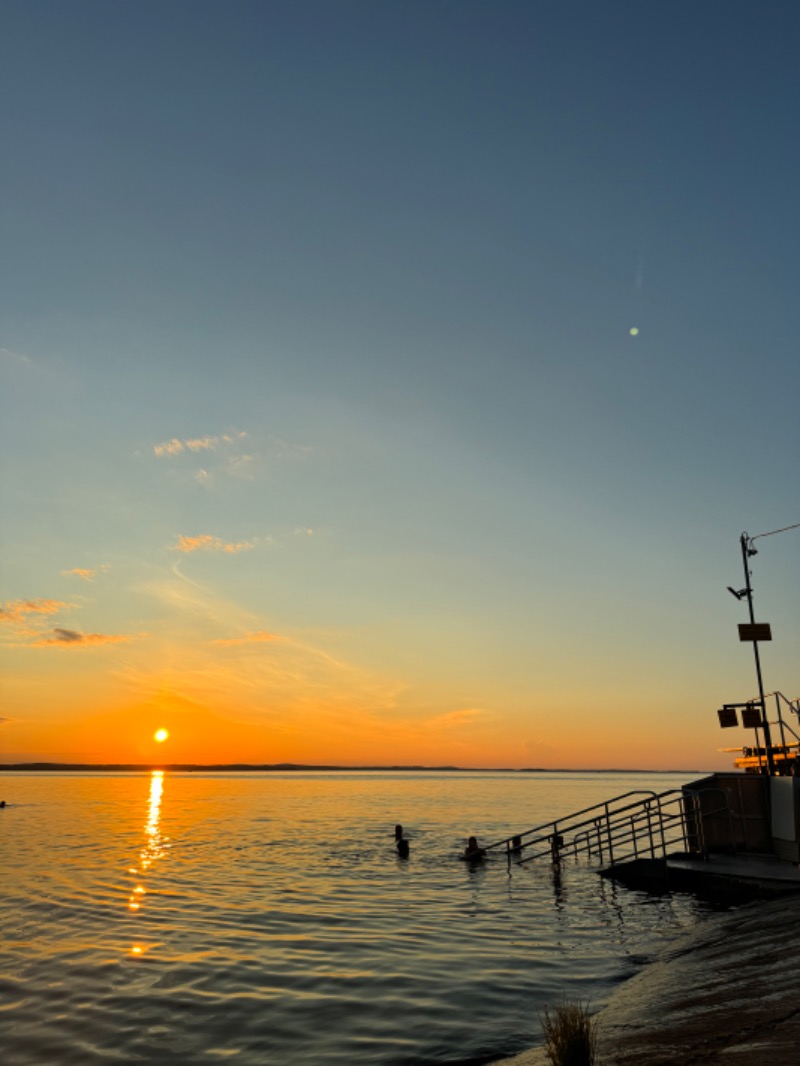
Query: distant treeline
{"points": [[232, 767], [81, 767]]}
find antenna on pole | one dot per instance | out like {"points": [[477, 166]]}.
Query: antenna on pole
{"points": [[755, 633]]}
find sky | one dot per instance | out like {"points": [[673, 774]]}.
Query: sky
{"points": [[390, 382]]}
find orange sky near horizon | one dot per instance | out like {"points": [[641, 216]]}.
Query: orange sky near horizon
{"points": [[82, 711], [233, 685]]}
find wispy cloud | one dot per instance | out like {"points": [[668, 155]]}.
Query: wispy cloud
{"points": [[169, 447], [79, 571], [72, 638], [241, 466], [466, 716], [30, 625], [223, 455], [85, 572], [196, 444], [15, 358], [19, 612], [284, 448], [259, 637], [205, 542]]}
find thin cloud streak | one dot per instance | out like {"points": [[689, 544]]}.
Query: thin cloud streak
{"points": [[18, 358], [72, 638], [206, 542], [467, 716], [260, 637], [283, 448], [192, 598], [241, 467], [195, 444]]}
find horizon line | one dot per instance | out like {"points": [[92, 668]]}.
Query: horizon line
{"points": [[327, 767]]}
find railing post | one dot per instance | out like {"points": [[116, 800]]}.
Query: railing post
{"points": [[598, 830], [608, 835], [698, 822], [684, 824]]}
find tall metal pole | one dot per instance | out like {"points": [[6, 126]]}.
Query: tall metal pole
{"points": [[745, 541]]}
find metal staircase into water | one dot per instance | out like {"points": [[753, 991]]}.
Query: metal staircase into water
{"points": [[634, 825], [727, 836]]}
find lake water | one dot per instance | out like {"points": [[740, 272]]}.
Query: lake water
{"points": [[266, 918]]}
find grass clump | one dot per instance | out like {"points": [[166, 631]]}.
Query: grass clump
{"points": [[570, 1035]]}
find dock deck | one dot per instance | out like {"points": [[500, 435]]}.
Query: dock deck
{"points": [[725, 878], [741, 867]]}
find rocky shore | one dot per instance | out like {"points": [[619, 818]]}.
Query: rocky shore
{"points": [[727, 993]]}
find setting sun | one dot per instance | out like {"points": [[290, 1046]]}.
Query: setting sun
{"points": [[160, 735]]}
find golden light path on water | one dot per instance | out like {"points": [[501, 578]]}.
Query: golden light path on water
{"points": [[155, 848]]}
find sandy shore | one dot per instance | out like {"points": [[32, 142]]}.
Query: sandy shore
{"points": [[727, 993]]}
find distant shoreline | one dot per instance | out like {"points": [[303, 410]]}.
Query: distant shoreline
{"points": [[65, 767]]}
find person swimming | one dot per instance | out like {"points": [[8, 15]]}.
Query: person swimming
{"points": [[473, 850], [403, 846]]}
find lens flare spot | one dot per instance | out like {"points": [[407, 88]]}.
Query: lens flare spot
{"points": [[634, 331]]}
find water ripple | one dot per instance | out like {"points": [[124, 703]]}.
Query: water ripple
{"points": [[172, 920]]}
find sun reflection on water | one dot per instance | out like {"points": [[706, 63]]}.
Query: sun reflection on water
{"points": [[155, 848]]}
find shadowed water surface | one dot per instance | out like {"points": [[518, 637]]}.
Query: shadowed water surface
{"points": [[266, 918]]}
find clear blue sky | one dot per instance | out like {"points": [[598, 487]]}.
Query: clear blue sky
{"points": [[372, 268]]}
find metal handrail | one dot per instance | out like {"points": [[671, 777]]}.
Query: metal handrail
{"points": [[539, 831], [648, 826], [600, 827], [784, 726], [794, 707]]}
